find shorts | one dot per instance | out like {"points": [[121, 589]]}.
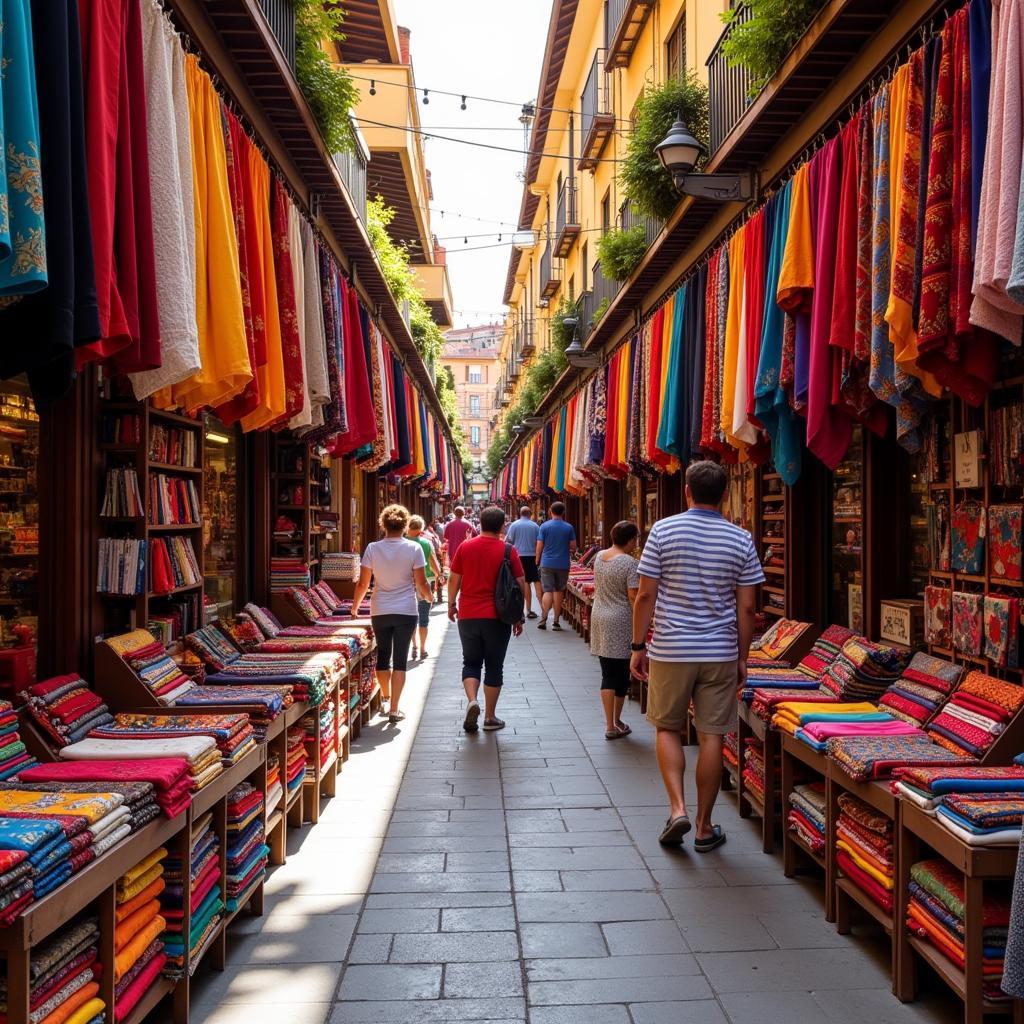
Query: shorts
{"points": [[423, 612], [484, 643], [553, 581], [530, 568], [710, 684], [393, 634], [615, 675]]}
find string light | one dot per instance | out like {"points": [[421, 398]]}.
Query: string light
{"points": [[426, 97], [462, 105], [373, 87]]}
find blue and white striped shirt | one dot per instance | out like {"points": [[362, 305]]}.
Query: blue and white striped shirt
{"points": [[698, 559]]}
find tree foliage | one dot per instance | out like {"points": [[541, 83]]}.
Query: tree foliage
{"points": [[621, 251], [328, 89]]}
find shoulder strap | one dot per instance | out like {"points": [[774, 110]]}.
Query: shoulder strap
{"points": [[508, 552]]}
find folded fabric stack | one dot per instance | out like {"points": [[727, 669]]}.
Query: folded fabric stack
{"points": [[232, 733], [139, 957], [342, 626], [807, 814], [286, 573], [326, 751], [200, 752], [765, 701], [806, 676], [64, 708], [247, 851], [169, 776], [13, 755], [983, 819], [875, 757], [15, 884], [926, 786], [976, 714], [771, 646], [816, 723], [864, 849], [275, 786], [148, 659], [730, 751], [44, 842], [923, 690], [139, 800], [863, 670], [206, 904], [64, 972], [753, 769], [936, 912], [295, 763], [263, 703]]}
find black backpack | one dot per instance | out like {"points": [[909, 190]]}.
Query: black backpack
{"points": [[508, 598]]}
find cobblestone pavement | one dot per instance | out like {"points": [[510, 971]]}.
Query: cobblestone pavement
{"points": [[516, 876]]}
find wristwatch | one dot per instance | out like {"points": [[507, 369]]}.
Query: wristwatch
{"points": [[638, 647]]}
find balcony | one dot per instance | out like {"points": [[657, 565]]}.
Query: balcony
{"points": [[550, 274], [593, 303], [432, 280], [629, 218], [280, 15], [597, 121], [527, 345], [352, 167], [567, 227], [623, 22], [729, 88]]}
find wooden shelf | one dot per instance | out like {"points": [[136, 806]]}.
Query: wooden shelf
{"points": [[171, 527], [151, 594], [167, 467], [174, 417]]}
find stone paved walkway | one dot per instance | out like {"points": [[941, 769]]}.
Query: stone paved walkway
{"points": [[517, 877]]}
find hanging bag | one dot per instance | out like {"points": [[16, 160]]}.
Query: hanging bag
{"points": [[508, 597]]}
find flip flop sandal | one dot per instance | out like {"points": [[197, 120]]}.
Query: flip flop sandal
{"points": [[491, 724], [395, 717], [711, 842], [674, 830], [472, 714], [613, 734], [557, 627], [624, 730]]}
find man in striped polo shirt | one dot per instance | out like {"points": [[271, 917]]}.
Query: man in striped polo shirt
{"points": [[698, 577]]}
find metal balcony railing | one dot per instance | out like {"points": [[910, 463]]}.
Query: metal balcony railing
{"points": [[550, 273], [567, 226], [597, 120], [629, 218], [623, 23], [593, 303], [352, 167], [729, 88], [280, 15], [527, 344]]}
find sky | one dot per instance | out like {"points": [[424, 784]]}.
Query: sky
{"points": [[478, 48]]}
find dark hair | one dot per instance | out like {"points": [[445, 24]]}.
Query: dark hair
{"points": [[623, 533], [492, 519], [459, 511], [557, 508], [707, 482]]}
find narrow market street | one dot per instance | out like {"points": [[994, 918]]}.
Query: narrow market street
{"points": [[400, 905]]}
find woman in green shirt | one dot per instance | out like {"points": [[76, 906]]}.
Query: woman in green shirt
{"points": [[415, 533]]}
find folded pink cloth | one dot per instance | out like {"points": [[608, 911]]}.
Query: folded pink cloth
{"points": [[822, 731]]}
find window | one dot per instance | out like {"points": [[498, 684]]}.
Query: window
{"points": [[606, 213], [572, 288], [476, 375], [676, 47], [474, 435], [474, 405]]}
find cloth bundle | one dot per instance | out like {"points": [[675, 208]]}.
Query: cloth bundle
{"points": [[863, 670], [976, 714], [13, 754], [170, 778], [983, 819], [286, 573], [15, 884], [816, 723], [730, 751], [875, 757], [148, 659], [139, 957], [139, 799], [275, 787], [200, 752], [864, 849], [247, 851], [753, 770], [805, 676], [64, 708], [806, 815], [295, 762], [935, 913], [232, 733], [64, 973], [263, 703], [203, 888], [923, 689], [321, 756], [926, 786]]}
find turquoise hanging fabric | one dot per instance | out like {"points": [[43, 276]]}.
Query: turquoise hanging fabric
{"points": [[671, 400], [560, 462], [22, 230], [771, 402]]}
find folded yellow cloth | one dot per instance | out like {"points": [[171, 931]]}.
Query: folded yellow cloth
{"points": [[132, 889], [86, 1012], [882, 879], [143, 866]]}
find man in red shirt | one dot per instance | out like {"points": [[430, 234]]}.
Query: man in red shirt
{"points": [[457, 531], [484, 636]]}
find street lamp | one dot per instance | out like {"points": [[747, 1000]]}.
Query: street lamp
{"points": [[574, 354], [679, 152]]}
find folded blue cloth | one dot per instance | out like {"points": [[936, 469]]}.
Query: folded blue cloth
{"points": [[969, 826], [811, 742]]}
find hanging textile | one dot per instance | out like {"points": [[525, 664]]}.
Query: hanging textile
{"points": [[713, 298], [634, 454], [358, 400], [117, 161], [796, 283], [315, 336], [304, 417], [692, 399], [733, 339], [291, 343], [754, 272], [750, 260], [666, 423], [65, 314]]}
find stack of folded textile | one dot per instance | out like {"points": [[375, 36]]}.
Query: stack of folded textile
{"points": [[730, 752], [926, 787], [983, 819], [65, 970], [139, 958], [13, 755], [806, 815], [875, 757], [286, 573], [232, 733], [65, 708], [139, 799], [201, 753], [49, 857], [15, 884], [275, 787], [864, 849], [753, 768], [936, 913], [247, 850], [148, 659], [923, 689], [169, 777], [295, 763], [976, 714], [863, 670], [815, 723], [263, 703], [319, 757], [206, 904], [806, 677]]}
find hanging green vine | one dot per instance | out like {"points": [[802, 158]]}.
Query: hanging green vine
{"points": [[620, 252]]}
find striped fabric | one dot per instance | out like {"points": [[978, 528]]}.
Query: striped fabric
{"points": [[699, 558]]}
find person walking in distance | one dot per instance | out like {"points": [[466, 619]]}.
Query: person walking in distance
{"points": [[611, 622], [556, 542], [471, 587], [432, 570], [397, 566], [522, 535], [698, 576], [457, 531]]}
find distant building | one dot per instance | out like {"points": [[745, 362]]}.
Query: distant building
{"points": [[471, 353]]}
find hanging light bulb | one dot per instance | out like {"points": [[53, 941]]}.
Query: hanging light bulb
{"points": [[373, 87], [463, 105], [426, 96], [465, 241]]}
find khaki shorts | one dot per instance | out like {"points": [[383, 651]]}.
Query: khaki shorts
{"points": [[710, 684]]}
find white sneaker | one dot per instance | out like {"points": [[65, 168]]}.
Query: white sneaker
{"points": [[472, 714]]}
